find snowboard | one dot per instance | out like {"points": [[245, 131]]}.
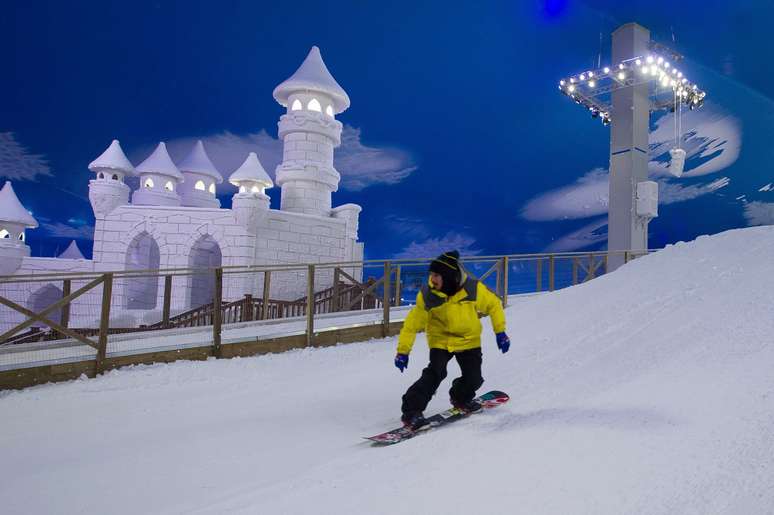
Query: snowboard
{"points": [[488, 400]]}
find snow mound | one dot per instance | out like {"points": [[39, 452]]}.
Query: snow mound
{"points": [[649, 390]]}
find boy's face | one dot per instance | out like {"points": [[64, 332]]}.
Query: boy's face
{"points": [[436, 280]]}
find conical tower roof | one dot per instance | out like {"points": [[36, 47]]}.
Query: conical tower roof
{"points": [[251, 170], [313, 75], [113, 159], [72, 252], [11, 210], [197, 161], [160, 163]]}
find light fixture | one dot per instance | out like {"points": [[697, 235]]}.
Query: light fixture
{"points": [[582, 77], [561, 83], [607, 70], [660, 60], [591, 74], [621, 75], [571, 88], [638, 62], [592, 84], [649, 59], [621, 66]]}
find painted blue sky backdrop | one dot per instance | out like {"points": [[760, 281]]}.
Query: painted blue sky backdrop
{"points": [[457, 135]]}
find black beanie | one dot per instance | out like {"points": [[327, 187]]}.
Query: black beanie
{"points": [[447, 265]]}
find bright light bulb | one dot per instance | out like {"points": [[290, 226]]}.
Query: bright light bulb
{"points": [[679, 74], [572, 80], [561, 83], [660, 60], [649, 59], [571, 88], [644, 70], [674, 71], [666, 65], [672, 83], [621, 66], [695, 87], [592, 84], [653, 70], [638, 62], [664, 82], [684, 81], [621, 76], [582, 77], [591, 74], [607, 70]]}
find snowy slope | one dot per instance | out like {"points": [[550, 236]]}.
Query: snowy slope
{"points": [[650, 390]]}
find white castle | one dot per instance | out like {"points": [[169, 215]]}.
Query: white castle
{"points": [[174, 219]]}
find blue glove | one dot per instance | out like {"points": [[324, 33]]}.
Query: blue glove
{"points": [[401, 361], [503, 342]]}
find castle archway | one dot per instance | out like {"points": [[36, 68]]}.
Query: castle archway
{"points": [[142, 254], [205, 255]]}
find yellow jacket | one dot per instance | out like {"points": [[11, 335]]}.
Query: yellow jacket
{"points": [[451, 323]]}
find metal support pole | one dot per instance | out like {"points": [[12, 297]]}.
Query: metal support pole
{"points": [[66, 291], [266, 289], [506, 266], [167, 300], [310, 306], [386, 299], [216, 314], [551, 266], [104, 321]]}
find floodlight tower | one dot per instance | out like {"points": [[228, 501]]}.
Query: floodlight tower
{"points": [[642, 79]]}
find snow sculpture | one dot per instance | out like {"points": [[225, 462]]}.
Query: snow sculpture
{"points": [[251, 200], [14, 218], [108, 190], [201, 176], [159, 180], [306, 175]]}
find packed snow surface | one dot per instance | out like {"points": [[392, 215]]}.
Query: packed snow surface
{"points": [[649, 390]]}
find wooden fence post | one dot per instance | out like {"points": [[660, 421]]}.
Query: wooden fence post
{"points": [[66, 291], [397, 287], [591, 274], [336, 289], [310, 306], [539, 275], [266, 289], [386, 299], [551, 284], [104, 321], [217, 321], [167, 300], [506, 266], [574, 271], [247, 308]]}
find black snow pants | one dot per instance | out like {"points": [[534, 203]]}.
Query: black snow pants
{"points": [[463, 388]]}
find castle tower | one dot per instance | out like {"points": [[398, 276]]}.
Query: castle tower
{"points": [[201, 176], [108, 190], [251, 200], [71, 252], [13, 220], [159, 180], [310, 133]]}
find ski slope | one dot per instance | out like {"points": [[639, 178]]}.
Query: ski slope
{"points": [[646, 391]]}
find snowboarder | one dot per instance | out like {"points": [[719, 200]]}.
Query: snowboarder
{"points": [[448, 308]]}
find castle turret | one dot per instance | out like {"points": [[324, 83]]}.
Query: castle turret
{"points": [[159, 180], [310, 133], [201, 176], [14, 218], [71, 252], [108, 190], [251, 201]]}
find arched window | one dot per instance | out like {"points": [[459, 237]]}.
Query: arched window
{"points": [[255, 189], [115, 177], [100, 175], [148, 183], [200, 186], [169, 186], [212, 188], [21, 236], [329, 111], [296, 105], [4, 234], [242, 189], [314, 105]]}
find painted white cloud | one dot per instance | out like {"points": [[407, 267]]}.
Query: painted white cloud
{"points": [[759, 213], [432, 247], [62, 230], [586, 236], [712, 142], [18, 163], [360, 166]]}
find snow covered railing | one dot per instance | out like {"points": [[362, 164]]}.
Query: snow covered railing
{"points": [[88, 317]]}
